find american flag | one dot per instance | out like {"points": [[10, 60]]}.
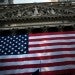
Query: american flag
{"points": [[50, 53]]}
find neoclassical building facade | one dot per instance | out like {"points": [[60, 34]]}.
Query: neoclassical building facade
{"points": [[2, 2], [42, 18], [33, 16]]}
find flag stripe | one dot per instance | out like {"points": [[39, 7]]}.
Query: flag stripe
{"points": [[53, 33], [37, 65], [37, 58], [54, 38], [52, 50], [51, 41], [38, 61], [51, 53], [52, 47], [43, 69], [51, 36], [67, 72], [61, 72], [38, 54], [52, 44]]}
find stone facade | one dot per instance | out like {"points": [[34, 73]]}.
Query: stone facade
{"points": [[34, 16], [2, 2], [66, 0], [62, 0]]}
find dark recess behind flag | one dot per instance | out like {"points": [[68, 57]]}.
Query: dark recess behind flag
{"points": [[36, 72]]}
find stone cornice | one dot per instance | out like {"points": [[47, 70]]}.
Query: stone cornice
{"points": [[35, 12]]}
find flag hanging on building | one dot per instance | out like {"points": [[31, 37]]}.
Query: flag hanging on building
{"points": [[51, 53]]}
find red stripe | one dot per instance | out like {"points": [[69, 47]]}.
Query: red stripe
{"points": [[52, 50], [37, 58], [53, 38], [52, 44], [60, 72], [21, 74], [37, 65], [53, 33]]}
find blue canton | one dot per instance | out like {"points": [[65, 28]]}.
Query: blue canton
{"points": [[13, 45]]}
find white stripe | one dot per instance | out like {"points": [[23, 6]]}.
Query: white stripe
{"points": [[17, 71], [56, 68], [43, 69], [51, 41], [51, 47], [37, 54], [51, 36], [38, 61]]}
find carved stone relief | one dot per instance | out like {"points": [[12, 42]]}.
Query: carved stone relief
{"points": [[14, 11]]}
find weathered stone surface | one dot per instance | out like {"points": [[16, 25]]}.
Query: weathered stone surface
{"points": [[36, 10], [37, 15]]}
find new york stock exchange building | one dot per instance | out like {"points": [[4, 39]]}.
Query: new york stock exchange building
{"points": [[37, 38]]}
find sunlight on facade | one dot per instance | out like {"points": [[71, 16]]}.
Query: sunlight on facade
{"points": [[33, 1], [53, 0]]}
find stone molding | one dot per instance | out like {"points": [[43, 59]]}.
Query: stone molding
{"points": [[36, 10]]}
